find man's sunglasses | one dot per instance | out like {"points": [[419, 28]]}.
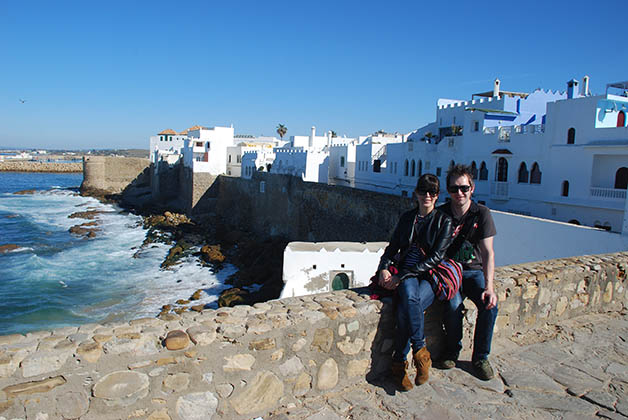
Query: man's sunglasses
{"points": [[432, 193], [455, 188]]}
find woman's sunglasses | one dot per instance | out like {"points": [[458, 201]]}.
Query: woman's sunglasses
{"points": [[432, 193]]}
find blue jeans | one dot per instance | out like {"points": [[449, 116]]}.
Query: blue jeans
{"points": [[472, 287], [415, 296]]}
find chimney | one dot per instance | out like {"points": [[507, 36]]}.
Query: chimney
{"points": [[312, 135], [496, 89], [585, 86], [572, 87]]}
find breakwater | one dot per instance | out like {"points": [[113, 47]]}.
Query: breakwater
{"points": [[37, 166], [248, 361]]}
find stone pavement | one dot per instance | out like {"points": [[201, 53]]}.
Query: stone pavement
{"points": [[575, 370]]}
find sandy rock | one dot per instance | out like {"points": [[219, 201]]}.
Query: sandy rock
{"points": [[7, 248], [238, 362], [43, 362], [177, 382], [176, 340], [201, 335], [121, 388], [89, 351], [73, 405], [327, 375], [261, 394], [197, 406], [34, 386]]}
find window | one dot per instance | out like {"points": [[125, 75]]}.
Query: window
{"points": [[476, 126], [474, 170], [452, 164], [412, 168], [262, 186], [395, 167], [238, 158], [565, 189], [420, 169], [438, 171], [501, 174], [377, 165], [621, 119], [229, 158], [405, 171], [571, 136], [342, 161], [483, 172], [621, 178], [535, 174], [404, 193], [523, 174]]}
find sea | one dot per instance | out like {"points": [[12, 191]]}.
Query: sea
{"points": [[56, 279]]}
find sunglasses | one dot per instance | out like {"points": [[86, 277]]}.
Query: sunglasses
{"points": [[432, 193], [455, 188]]}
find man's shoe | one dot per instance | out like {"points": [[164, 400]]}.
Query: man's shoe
{"points": [[483, 369], [422, 362], [448, 361], [399, 375]]}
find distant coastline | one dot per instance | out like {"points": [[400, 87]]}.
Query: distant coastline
{"points": [[36, 166]]}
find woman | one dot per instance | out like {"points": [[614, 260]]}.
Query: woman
{"points": [[418, 244]]}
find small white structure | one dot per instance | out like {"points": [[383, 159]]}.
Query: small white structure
{"points": [[318, 267], [251, 154], [167, 146]]}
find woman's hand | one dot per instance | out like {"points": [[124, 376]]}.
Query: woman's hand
{"points": [[387, 280]]}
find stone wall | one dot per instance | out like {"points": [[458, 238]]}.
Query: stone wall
{"points": [[243, 362], [283, 205], [29, 166], [114, 175]]}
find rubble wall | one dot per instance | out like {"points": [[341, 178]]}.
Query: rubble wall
{"points": [[114, 175], [247, 361]]}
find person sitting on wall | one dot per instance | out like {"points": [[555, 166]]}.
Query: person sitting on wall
{"points": [[473, 248], [418, 244]]}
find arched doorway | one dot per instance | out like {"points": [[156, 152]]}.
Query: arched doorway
{"points": [[621, 119], [523, 173], [621, 178], [483, 172], [340, 282], [565, 189], [501, 174], [474, 170]]}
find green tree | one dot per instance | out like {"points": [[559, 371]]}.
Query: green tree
{"points": [[333, 134], [282, 130]]}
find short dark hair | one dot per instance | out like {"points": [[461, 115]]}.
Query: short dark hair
{"points": [[428, 182], [459, 170]]}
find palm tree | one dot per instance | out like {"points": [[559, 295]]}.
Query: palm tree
{"points": [[333, 134], [282, 130]]}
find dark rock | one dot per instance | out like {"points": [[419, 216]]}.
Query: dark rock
{"points": [[211, 253], [25, 192], [90, 214], [7, 248]]}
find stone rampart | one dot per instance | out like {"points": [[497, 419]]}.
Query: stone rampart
{"points": [[114, 175], [243, 362], [283, 205], [36, 166]]}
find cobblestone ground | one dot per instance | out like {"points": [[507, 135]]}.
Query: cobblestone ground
{"points": [[575, 370]]}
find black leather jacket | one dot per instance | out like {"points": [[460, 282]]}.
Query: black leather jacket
{"points": [[434, 237]]}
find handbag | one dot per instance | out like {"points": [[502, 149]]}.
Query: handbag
{"points": [[446, 279]]}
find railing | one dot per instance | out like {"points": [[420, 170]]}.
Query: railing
{"points": [[381, 152], [499, 190], [612, 193]]}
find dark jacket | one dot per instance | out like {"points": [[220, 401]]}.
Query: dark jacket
{"points": [[434, 237]]}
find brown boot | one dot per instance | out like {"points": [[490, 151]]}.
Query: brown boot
{"points": [[423, 363], [398, 370]]}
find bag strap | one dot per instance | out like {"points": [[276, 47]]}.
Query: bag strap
{"points": [[465, 232]]}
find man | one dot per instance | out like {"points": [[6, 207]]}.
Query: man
{"points": [[473, 248]]}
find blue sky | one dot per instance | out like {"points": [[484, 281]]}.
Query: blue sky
{"points": [[111, 74]]}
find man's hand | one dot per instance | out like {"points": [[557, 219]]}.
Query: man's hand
{"points": [[489, 298], [387, 280]]}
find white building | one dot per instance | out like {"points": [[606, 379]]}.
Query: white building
{"points": [[251, 154], [205, 149], [307, 156], [562, 156], [167, 146]]}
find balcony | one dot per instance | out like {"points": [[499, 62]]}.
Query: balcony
{"points": [[608, 193], [499, 191]]}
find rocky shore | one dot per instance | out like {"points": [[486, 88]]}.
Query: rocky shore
{"points": [[36, 166]]}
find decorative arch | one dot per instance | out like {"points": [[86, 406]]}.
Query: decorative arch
{"points": [[523, 173], [412, 167], [452, 164], [483, 172], [474, 170], [419, 170], [501, 172], [621, 119], [621, 178], [535, 174], [405, 171], [565, 189], [571, 136]]}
